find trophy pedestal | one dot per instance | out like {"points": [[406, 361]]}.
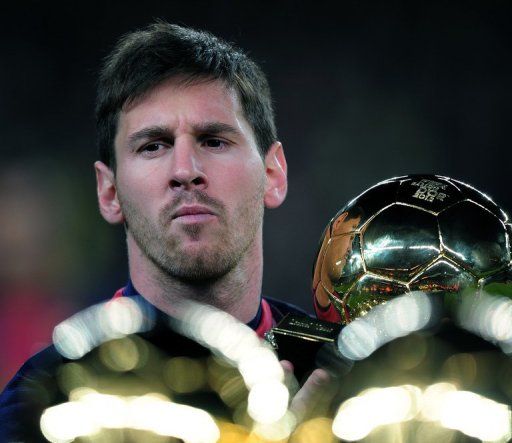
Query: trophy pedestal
{"points": [[299, 339]]}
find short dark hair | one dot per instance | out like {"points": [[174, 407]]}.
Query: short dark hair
{"points": [[145, 58]]}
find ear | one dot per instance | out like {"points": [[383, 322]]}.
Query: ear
{"points": [[106, 188], [276, 179]]}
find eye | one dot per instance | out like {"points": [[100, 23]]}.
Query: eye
{"points": [[152, 148], [215, 143]]}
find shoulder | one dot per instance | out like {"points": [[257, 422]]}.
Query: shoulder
{"points": [[280, 309], [32, 389]]}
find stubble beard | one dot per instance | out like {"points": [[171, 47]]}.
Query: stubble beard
{"points": [[232, 239]]}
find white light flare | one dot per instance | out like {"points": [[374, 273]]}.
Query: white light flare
{"points": [[489, 317], [433, 398], [358, 339], [91, 412], [359, 416], [121, 316], [385, 322], [72, 340], [277, 431], [238, 344], [67, 421], [82, 332], [107, 411], [441, 403], [476, 416], [193, 425], [260, 408], [259, 366]]}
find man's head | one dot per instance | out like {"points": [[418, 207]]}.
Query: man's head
{"points": [[196, 158], [144, 59]]}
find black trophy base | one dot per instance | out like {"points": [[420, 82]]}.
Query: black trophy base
{"points": [[299, 339]]}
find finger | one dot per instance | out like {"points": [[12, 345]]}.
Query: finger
{"points": [[287, 366], [315, 395], [289, 377]]}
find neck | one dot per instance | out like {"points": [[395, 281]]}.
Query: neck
{"points": [[237, 292]]}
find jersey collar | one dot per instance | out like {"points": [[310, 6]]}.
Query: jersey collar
{"points": [[261, 323]]}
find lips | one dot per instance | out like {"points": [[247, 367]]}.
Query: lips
{"points": [[193, 213]]}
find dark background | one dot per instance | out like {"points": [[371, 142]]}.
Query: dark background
{"points": [[363, 91]]}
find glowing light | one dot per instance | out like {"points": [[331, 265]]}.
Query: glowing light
{"points": [[500, 325], [384, 323], [260, 408], [259, 366], [109, 410], [70, 341], [351, 422], [218, 331], [174, 420], [121, 316], [84, 331], [489, 317], [358, 416], [67, 421], [413, 313], [89, 412], [476, 416], [276, 431], [433, 399], [120, 355], [442, 403], [238, 344], [358, 339]]}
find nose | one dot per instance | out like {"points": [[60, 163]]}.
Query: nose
{"points": [[186, 170]]}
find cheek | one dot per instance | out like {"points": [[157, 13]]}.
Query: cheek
{"points": [[138, 192], [245, 184], [142, 178]]}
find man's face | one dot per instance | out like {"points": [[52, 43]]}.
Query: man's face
{"points": [[190, 181]]}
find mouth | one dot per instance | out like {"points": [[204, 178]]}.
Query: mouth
{"points": [[193, 214]]}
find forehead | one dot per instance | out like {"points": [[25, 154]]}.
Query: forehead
{"points": [[176, 101]]}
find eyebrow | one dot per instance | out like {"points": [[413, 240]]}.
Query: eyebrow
{"points": [[163, 132], [215, 128], [151, 132]]}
